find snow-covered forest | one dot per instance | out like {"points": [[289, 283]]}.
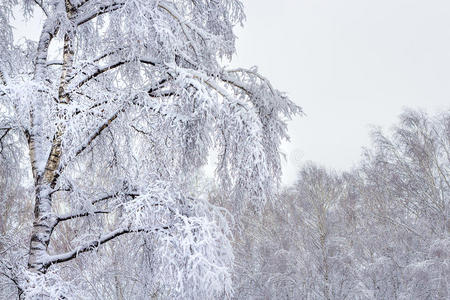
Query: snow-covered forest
{"points": [[107, 121]]}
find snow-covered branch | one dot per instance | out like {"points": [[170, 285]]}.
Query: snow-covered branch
{"points": [[2, 77], [99, 70], [2, 136], [92, 245], [108, 197], [40, 4], [101, 10], [82, 3], [167, 6], [87, 142], [71, 216]]}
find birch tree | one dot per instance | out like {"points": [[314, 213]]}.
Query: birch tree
{"points": [[407, 195], [115, 106], [380, 231]]}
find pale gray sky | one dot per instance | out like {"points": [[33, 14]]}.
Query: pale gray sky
{"points": [[349, 64]]}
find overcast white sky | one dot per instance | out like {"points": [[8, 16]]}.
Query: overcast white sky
{"points": [[349, 64]]}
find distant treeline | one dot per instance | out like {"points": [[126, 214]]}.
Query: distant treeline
{"points": [[380, 231]]}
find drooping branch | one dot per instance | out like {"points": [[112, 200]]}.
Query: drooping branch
{"points": [[168, 7], [101, 70], [97, 72], [103, 9], [183, 24], [231, 81], [211, 82], [109, 53], [91, 245], [255, 74]]}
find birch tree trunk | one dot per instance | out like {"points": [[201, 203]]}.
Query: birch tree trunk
{"points": [[44, 218]]}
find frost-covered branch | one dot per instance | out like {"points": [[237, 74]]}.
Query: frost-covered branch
{"points": [[100, 70], [82, 3], [5, 133], [54, 63], [167, 6], [2, 78], [2, 136], [92, 245], [79, 214], [102, 9], [41, 6], [88, 142], [108, 197], [97, 132]]}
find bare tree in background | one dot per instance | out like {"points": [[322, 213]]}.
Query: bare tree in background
{"points": [[407, 195], [380, 231]]}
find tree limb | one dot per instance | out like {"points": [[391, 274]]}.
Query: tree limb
{"points": [[132, 195], [1, 139], [2, 78], [79, 214], [83, 2], [89, 246], [87, 143], [41, 5], [101, 10], [100, 70]]}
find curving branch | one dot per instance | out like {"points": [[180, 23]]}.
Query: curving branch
{"points": [[97, 72], [92, 245], [171, 10], [103, 9], [41, 6], [101, 70], [231, 81]]}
